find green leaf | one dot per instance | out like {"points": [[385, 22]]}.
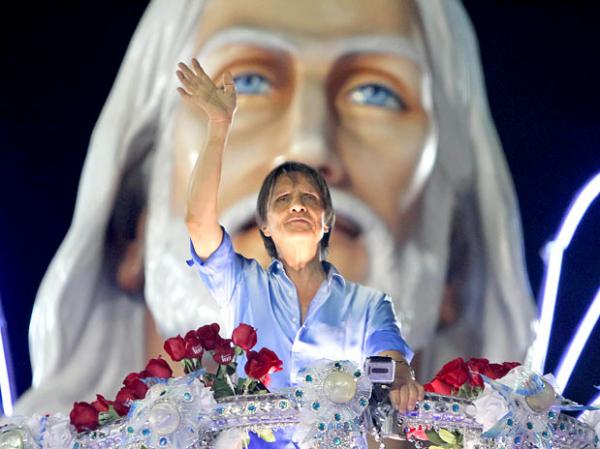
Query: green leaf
{"points": [[238, 350], [447, 436], [221, 388], [435, 438], [230, 369]]}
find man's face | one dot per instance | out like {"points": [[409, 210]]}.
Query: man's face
{"points": [[339, 85], [295, 213]]}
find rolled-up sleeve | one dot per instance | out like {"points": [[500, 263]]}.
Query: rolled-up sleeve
{"points": [[221, 271], [383, 330]]}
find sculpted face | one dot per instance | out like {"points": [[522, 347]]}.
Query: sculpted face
{"points": [[340, 85]]}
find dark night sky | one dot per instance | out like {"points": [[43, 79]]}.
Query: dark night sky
{"points": [[541, 66]]}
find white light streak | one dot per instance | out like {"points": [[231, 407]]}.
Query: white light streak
{"points": [[553, 255], [571, 355]]}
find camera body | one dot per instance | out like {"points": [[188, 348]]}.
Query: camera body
{"points": [[380, 370]]}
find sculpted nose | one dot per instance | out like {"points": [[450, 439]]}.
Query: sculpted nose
{"points": [[311, 140]]}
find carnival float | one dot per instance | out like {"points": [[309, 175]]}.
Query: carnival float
{"points": [[335, 404]]}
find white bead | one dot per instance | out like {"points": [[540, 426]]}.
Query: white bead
{"points": [[11, 440], [164, 418], [339, 387]]}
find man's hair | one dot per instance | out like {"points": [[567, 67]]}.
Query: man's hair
{"points": [[266, 191]]}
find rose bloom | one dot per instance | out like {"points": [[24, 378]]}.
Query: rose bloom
{"points": [[224, 353], [454, 373], [209, 336], [262, 363], [134, 382], [244, 336], [101, 403], [84, 416], [175, 347], [123, 401], [439, 387], [193, 346], [159, 368]]}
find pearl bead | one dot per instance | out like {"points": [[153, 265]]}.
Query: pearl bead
{"points": [[11, 440], [339, 387], [164, 418], [542, 401]]}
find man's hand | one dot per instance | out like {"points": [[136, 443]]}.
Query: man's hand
{"points": [[406, 391], [199, 90]]}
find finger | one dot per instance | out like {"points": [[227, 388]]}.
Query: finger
{"points": [[413, 396], [405, 398], [186, 70], [184, 93], [228, 83], [184, 80], [421, 392], [198, 69]]}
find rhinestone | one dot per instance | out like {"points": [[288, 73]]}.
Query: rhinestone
{"points": [[162, 441], [316, 405], [337, 417], [129, 429], [299, 393], [187, 396], [530, 425], [321, 426], [337, 441], [455, 407], [309, 378]]}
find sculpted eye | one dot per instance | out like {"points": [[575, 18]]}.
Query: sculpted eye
{"points": [[378, 95], [252, 84]]}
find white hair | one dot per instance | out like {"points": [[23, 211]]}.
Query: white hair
{"points": [[85, 334]]}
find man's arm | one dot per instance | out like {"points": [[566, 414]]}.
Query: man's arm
{"points": [[219, 104]]}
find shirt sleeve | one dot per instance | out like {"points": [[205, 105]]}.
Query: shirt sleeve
{"points": [[221, 271], [383, 330]]}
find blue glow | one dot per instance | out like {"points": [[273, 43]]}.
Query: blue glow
{"points": [[553, 255], [376, 95], [252, 84], [7, 381]]}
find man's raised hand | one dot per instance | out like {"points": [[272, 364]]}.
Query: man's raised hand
{"points": [[199, 90]]}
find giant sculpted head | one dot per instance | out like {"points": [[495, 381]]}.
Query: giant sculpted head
{"points": [[384, 97]]}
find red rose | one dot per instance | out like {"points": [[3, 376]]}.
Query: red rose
{"points": [[209, 336], [477, 366], [134, 382], [510, 365], [159, 368], [193, 347], [496, 371], [123, 401], [101, 403], [244, 336], [224, 353], [84, 416], [455, 373], [438, 386], [262, 363], [175, 347]]}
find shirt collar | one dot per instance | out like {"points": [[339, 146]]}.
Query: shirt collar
{"points": [[331, 273]]}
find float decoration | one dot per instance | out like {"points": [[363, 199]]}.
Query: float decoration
{"points": [[485, 406]]}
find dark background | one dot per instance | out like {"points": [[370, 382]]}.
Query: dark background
{"points": [[540, 59]]}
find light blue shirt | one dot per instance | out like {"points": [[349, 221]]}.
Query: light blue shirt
{"points": [[345, 320]]}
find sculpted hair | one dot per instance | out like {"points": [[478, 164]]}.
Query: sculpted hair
{"points": [[266, 191]]}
